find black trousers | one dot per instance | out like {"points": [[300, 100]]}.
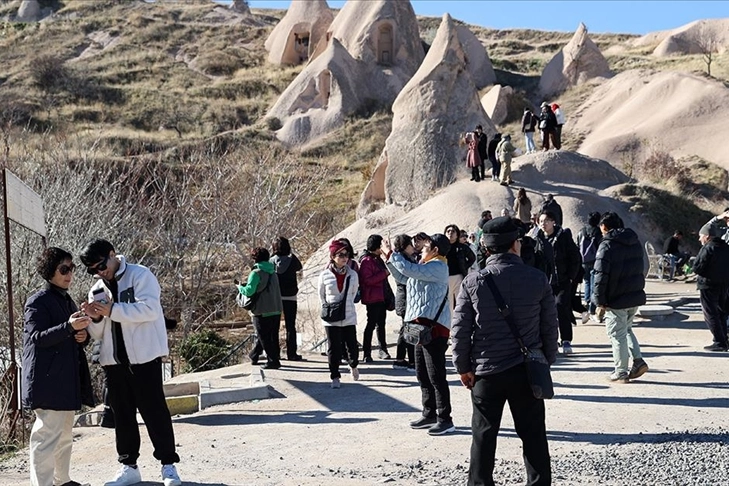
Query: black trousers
{"points": [[289, 311], [563, 298], [376, 316], [715, 304], [475, 176], [267, 329], [489, 395], [139, 387], [335, 336], [404, 349], [495, 167], [430, 368]]}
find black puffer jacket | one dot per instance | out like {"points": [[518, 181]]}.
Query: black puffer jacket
{"points": [[55, 372], [711, 264], [567, 259], [460, 258], [619, 279], [482, 340]]}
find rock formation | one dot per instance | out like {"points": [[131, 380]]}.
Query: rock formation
{"points": [[382, 32], [29, 11], [240, 6], [327, 90], [430, 115], [293, 39], [496, 103], [369, 53], [477, 60], [696, 38], [639, 111], [577, 62]]}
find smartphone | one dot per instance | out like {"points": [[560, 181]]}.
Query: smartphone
{"points": [[100, 296]]}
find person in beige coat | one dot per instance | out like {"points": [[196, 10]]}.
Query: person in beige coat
{"points": [[523, 206], [504, 152]]}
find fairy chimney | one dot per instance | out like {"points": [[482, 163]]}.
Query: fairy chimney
{"points": [[293, 39], [430, 115], [577, 62]]}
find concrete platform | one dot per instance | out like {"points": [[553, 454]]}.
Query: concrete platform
{"points": [[655, 310], [232, 384]]}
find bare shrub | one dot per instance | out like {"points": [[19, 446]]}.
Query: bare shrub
{"points": [[48, 73], [190, 221]]}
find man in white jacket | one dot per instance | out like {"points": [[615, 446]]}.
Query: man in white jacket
{"points": [[124, 305]]}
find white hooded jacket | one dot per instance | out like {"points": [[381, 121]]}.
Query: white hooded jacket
{"points": [[139, 311]]}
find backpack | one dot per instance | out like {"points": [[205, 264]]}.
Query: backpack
{"points": [[588, 248]]}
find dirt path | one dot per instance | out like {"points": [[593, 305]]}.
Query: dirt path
{"points": [[359, 435]]}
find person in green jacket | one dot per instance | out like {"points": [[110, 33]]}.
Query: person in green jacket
{"points": [[263, 288]]}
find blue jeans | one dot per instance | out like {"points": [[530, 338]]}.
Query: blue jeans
{"points": [[619, 327], [530, 146], [589, 284]]}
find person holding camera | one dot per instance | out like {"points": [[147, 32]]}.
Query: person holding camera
{"points": [[338, 285], [55, 375], [126, 312], [427, 305]]}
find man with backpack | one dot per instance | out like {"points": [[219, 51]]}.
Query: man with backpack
{"points": [[588, 241]]}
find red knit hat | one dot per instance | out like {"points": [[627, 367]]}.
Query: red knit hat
{"points": [[336, 246]]}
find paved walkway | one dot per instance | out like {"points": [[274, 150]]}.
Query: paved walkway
{"points": [[358, 435]]}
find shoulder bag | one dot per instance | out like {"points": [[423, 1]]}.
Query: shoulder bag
{"points": [[540, 379], [336, 311], [248, 303], [421, 334]]}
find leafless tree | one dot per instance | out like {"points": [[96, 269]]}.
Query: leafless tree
{"points": [[707, 43]]}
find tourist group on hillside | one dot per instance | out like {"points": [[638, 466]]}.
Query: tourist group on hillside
{"points": [[494, 295], [500, 150]]}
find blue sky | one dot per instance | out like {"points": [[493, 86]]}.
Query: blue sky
{"points": [[637, 17]]}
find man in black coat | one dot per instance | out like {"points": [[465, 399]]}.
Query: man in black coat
{"points": [[619, 291], [567, 266], [495, 164], [489, 360], [711, 267], [551, 205], [55, 377]]}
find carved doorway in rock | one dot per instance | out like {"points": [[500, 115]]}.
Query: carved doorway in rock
{"points": [[325, 88], [385, 44], [301, 47]]}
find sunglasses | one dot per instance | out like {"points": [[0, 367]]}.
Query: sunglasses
{"points": [[342, 255], [100, 267], [66, 269]]}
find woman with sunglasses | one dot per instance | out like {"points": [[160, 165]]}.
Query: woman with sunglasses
{"points": [[339, 282], [56, 379]]}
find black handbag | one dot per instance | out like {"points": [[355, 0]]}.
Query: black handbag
{"points": [[389, 297], [336, 311], [421, 334], [538, 374]]}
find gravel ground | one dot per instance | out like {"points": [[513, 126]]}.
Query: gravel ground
{"points": [[667, 428]]}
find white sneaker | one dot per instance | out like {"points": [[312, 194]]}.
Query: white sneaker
{"points": [[126, 476], [170, 476], [336, 383], [566, 347], [355, 373]]}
